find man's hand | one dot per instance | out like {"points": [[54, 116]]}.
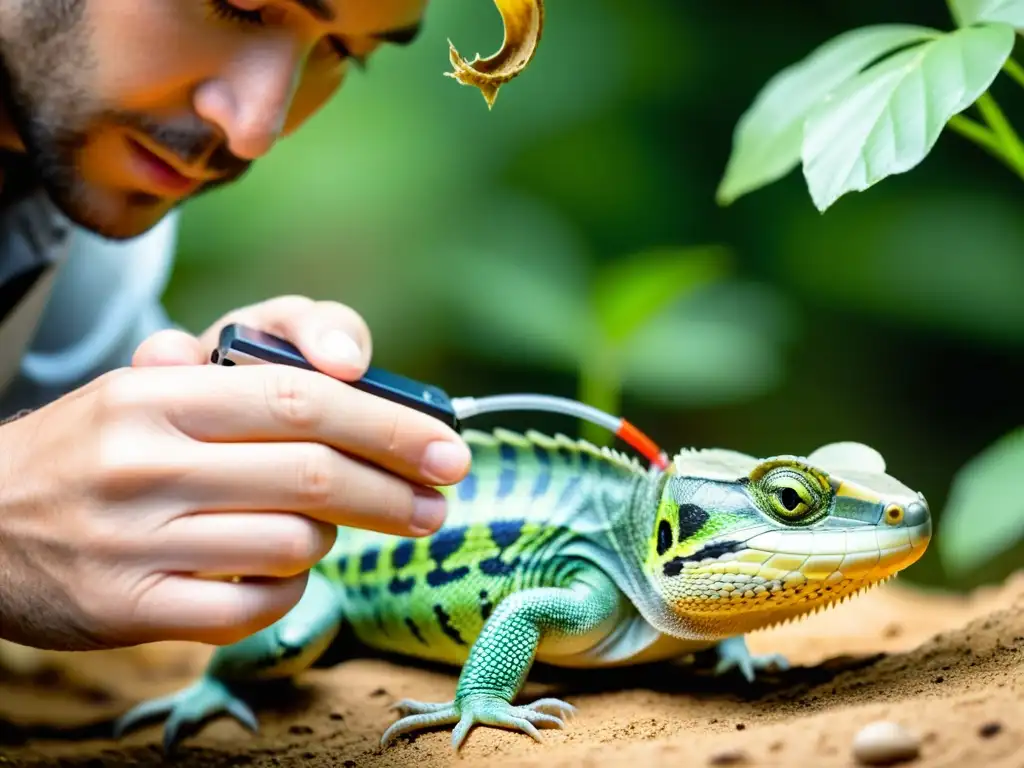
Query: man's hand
{"points": [[332, 336], [121, 499]]}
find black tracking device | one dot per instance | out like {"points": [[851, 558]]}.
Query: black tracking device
{"points": [[241, 345]]}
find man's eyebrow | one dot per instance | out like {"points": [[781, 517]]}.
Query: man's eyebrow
{"points": [[318, 8], [400, 35], [405, 35]]}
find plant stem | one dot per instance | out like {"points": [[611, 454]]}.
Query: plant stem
{"points": [[979, 134], [951, 7], [1015, 71], [600, 385], [1013, 148]]}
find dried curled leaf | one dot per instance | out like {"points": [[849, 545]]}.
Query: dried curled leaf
{"points": [[524, 23]]}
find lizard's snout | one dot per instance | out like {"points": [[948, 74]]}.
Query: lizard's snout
{"points": [[917, 514], [917, 520]]}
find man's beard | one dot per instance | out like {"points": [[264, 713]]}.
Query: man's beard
{"points": [[53, 118]]}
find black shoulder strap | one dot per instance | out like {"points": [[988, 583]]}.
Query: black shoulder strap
{"points": [[15, 289], [31, 233]]}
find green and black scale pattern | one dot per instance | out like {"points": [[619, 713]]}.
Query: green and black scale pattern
{"points": [[507, 521]]}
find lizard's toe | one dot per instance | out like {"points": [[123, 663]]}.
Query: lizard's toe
{"points": [[186, 710], [557, 707], [413, 707], [423, 716], [140, 713], [496, 712], [478, 710], [734, 654], [749, 666]]}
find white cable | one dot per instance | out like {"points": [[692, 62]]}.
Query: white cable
{"points": [[467, 407]]}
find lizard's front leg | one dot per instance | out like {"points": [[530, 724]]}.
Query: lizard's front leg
{"points": [[501, 657], [733, 653], [281, 650]]}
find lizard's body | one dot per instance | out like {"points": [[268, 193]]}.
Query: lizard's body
{"points": [[559, 552]]}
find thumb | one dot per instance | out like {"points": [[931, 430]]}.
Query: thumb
{"points": [[169, 347]]}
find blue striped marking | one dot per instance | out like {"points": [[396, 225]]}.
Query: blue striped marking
{"points": [[543, 481], [509, 470], [467, 487]]}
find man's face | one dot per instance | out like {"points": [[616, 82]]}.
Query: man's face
{"points": [[128, 107]]}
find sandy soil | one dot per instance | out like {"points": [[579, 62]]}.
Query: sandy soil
{"points": [[949, 669]]}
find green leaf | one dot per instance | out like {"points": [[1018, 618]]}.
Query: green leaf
{"points": [[975, 11], [630, 291], [984, 516], [886, 120], [766, 143]]}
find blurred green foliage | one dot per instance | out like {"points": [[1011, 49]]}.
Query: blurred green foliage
{"points": [[869, 104], [572, 241]]}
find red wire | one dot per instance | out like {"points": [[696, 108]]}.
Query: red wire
{"points": [[641, 442]]}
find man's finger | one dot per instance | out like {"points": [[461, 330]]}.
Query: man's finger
{"points": [[315, 480], [265, 544], [270, 403], [176, 607], [332, 336], [170, 347]]}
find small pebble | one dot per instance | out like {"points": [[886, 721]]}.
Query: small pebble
{"points": [[885, 743], [728, 757], [988, 730]]}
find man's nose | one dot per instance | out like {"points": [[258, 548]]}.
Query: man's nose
{"points": [[250, 101]]}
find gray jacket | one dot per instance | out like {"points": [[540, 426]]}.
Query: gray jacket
{"points": [[96, 301]]}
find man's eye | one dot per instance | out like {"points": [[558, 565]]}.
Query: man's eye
{"points": [[334, 47], [225, 10], [339, 47]]}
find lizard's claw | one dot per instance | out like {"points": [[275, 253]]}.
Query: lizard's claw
{"points": [[187, 709], [479, 709], [734, 654]]}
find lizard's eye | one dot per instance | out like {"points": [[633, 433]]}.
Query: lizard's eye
{"points": [[788, 496], [790, 499]]}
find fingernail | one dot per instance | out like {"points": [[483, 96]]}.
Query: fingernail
{"points": [[428, 512], [340, 347], [444, 461]]}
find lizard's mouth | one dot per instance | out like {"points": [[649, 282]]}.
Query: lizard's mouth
{"points": [[781, 575]]}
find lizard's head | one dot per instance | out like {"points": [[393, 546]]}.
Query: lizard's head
{"points": [[741, 543]]}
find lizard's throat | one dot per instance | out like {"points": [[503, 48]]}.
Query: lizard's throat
{"points": [[748, 589]]}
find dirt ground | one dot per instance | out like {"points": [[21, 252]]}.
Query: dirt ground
{"points": [[949, 669]]}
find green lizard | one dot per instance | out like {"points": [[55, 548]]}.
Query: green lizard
{"points": [[560, 552]]}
